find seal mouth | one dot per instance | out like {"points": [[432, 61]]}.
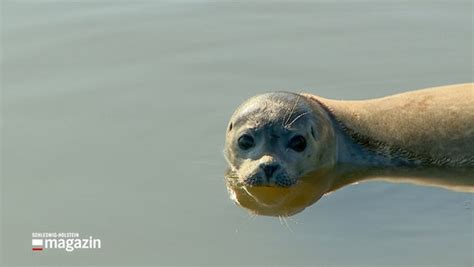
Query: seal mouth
{"points": [[255, 181], [282, 181], [286, 182], [232, 178], [281, 184], [277, 185]]}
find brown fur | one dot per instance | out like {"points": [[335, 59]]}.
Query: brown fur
{"points": [[435, 126]]}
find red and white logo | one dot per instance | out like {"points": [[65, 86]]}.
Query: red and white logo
{"points": [[37, 244]]}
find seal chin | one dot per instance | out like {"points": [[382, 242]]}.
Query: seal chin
{"points": [[285, 181], [254, 180], [282, 179]]}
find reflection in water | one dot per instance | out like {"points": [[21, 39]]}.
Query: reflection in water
{"points": [[278, 201], [287, 201]]}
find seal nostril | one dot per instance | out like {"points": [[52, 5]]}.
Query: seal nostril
{"points": [[269, 169]]}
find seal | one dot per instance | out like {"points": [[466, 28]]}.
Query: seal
{"points": [[286, 150]]}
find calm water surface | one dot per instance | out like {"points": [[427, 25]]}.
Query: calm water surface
{"points": [[114, 115]]}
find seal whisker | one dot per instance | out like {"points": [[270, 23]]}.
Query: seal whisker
{"points": [[279, 219], [293, 121], [291, 111], [287, 111], [286, 223], [293, 220]]}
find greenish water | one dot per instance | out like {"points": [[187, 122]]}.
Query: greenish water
{"points": [[114, 113]]}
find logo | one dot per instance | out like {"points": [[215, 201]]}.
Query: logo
{"points": [[68, 242], [37, 244]]}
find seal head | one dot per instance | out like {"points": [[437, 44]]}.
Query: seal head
{"points": [[272, 141]]}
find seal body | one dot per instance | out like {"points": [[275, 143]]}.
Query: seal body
{"points": [[281, 141]]}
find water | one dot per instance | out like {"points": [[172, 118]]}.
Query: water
{"points": [[114, 114]]}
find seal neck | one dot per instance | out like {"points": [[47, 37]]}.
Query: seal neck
{"points": [[360, 158], [354, 161], [354, 149]]}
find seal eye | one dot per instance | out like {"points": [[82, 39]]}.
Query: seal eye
{"points": [[246, 141], [298, 143]]}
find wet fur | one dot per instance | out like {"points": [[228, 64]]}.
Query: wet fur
{"points": [[424, 137], [429, 127]]}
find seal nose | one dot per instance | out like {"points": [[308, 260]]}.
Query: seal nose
{"points": [[269, 169]]}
